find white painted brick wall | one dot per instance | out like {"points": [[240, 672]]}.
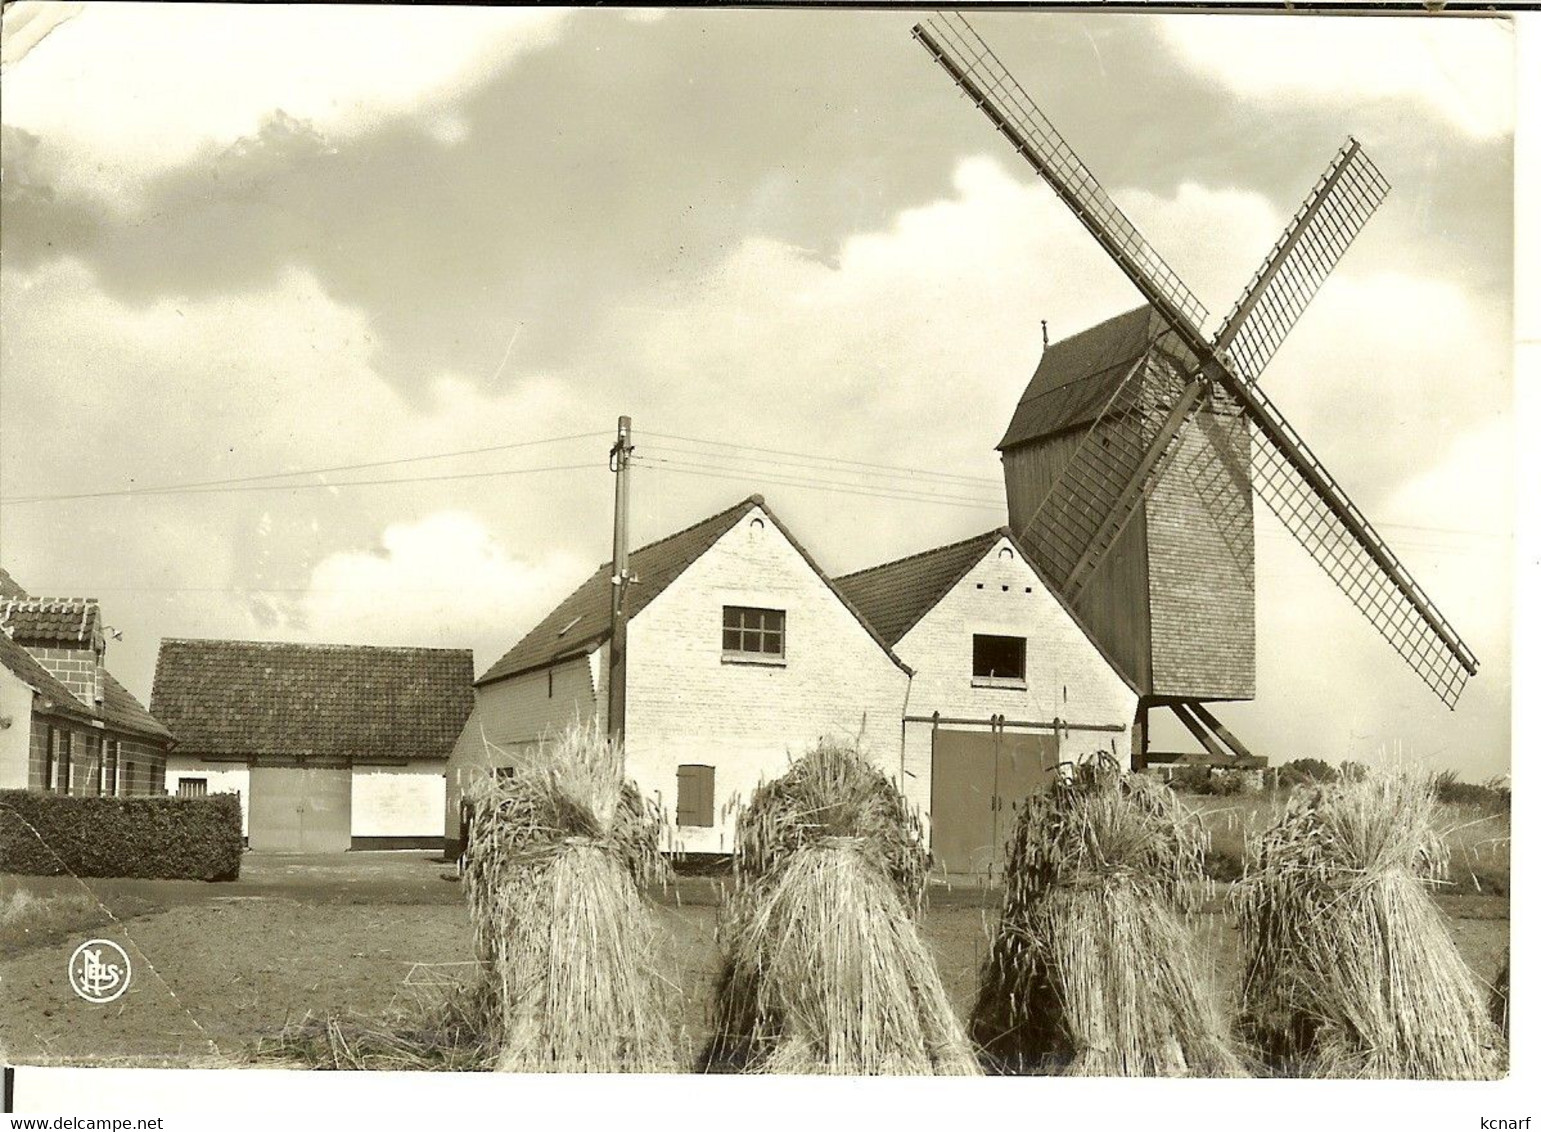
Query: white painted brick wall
{"points": [[15, 730], [686, 705], [399, 801], [1067, 678], [511, 715], [223, 778]]}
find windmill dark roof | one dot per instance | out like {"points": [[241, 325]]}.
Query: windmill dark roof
{"points": [[894, 596], [250, 699], [581, 623], [1077, 375], [27, 669]]}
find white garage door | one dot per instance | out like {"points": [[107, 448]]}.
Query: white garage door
{"points": [[301, 809]]}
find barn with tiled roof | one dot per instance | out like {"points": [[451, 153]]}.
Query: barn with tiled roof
{"points": [[330, 746]]}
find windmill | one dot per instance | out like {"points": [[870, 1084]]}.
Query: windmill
{"points": [[1133, 457]]}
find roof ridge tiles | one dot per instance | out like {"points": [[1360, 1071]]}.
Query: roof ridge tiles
{"points": [[992, 534]]}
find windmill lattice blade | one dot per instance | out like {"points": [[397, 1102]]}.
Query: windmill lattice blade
{"points": [[1315, 510], [1343, 199], [954, 44], [1115, 466]]}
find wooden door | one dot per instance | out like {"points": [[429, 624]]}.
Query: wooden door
{"points": [[979, 780], [963, 801], [1024, 764]]}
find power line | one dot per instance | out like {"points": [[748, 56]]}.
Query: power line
{"points": [[176, 489], [923, 479], [313, 486], [809, 479], [717, 472], [736, 446]]}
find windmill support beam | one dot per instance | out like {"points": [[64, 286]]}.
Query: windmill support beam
{"points": [[1125, 503], [1185, 716], [1207, 718], [1223, 749]]}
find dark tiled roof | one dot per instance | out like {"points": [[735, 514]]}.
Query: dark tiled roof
{"points": [[249, 699], [896, 595], [1076, 376], [582, 621], [45, 620], [9, 587], [30, 672], [122, 712]]}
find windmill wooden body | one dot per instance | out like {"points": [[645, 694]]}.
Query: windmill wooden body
{"points": [[1132, 459]]}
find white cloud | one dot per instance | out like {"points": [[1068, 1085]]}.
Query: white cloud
{"points": [[1460, 70], [131, 89], [441, 581]]}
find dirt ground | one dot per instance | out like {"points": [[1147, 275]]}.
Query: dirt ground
{"points": [[219, 966]]}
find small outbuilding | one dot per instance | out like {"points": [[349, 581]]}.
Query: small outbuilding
{"points": [[330, 747]]}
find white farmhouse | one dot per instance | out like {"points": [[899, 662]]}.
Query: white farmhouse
{"points": [[965, 679], [740, 653], [1006, 686]]}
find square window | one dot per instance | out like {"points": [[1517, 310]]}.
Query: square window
{"points": [[751, 632], [1000, 658]]}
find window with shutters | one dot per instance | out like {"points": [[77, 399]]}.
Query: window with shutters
{"points": [[750, 634], [1000, 662], [697, 802], [193, 788]]}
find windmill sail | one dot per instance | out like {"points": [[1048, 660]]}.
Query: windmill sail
{"points": [[1313, 508], [1285, 474], [974, 67], [1337, 207]]}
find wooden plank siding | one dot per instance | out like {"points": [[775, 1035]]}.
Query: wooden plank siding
{"points": [[1114, 603]]}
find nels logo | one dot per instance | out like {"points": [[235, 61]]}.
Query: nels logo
{"points": [[100, 970]]}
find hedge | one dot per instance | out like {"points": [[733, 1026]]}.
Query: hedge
{"points": [[178, 838]]}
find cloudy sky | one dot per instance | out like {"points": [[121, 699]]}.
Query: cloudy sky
{"points": [[248, 240]]}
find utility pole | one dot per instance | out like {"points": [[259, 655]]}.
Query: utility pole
{"points": [[620, 578]]}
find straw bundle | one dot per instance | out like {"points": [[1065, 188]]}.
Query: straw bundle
{"points": [[555, 857], [826, 972], [1092, 971], [833, 791], [1348, 969], [1498, 998]]}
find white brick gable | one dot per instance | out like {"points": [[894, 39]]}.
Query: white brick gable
{"points": [[1067, 678], [688, 704]]}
